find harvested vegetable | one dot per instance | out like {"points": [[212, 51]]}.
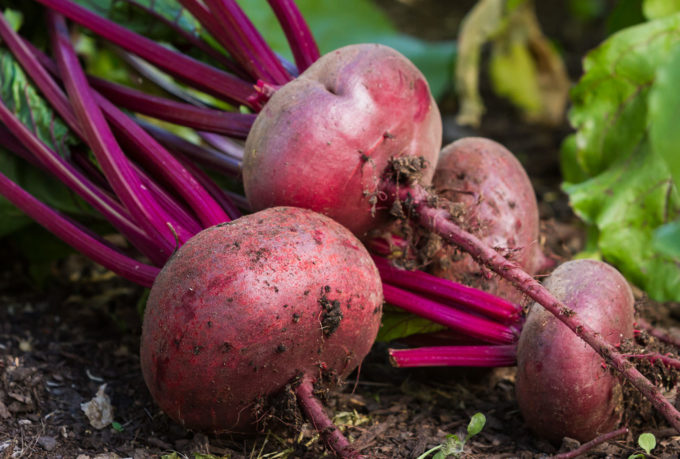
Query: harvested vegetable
{"points": [[495, 200], [246, 308], [324, 140], [564, 388]]}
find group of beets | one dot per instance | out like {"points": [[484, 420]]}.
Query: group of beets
{"points": [[336, 153]]}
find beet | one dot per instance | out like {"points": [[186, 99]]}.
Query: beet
{"points": [[563, 387], [334, 128], [247, 307], [496, 202]]}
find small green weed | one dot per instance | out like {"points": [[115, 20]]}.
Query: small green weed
{"points": [[453, 445], [647, 442]]}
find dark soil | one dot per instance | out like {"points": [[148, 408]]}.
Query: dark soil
{"points": [[80, 330]]}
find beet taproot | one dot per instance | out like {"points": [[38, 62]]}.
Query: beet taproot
{"points": [[335, 128], [564, 388], [247, 307], [496, 202]]}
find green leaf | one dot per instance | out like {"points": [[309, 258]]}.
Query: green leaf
{"points": [[667, 239], [20, 97], [331, 20], [664, 108], [621, 161], [399, 324], [647, 441], [452, 446], [129, 14], [655, 9], [14, 18], [610, 102], [513, 74], [476, 424], [626, 204]]}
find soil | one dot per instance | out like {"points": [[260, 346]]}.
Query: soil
{"points": [[79, 331]]}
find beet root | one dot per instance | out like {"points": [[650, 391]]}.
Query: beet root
{"points": [[247, 307], [563, 387], [496, 202], [334, 129]]}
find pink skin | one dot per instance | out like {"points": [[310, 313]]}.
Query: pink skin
{"points": [[563, 387], [238, 312], [498, 206], [341, 120]]}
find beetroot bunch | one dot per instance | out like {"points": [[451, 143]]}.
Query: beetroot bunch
{"points": [[287, 298]]}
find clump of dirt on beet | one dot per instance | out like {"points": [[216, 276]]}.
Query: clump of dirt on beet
{"points": [[331, 315]]}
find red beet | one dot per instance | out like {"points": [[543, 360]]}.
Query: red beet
{"points": [[245, 308], [334, 128], [496, 203], [564, 389]]}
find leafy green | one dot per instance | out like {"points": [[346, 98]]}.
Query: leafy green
{"points": [[655, 9], [18, 94], [399, 324], [664, 106], [335, 24], [621, 165], [647, 441], [666, 239], [14, 18], [131, 14], [454, 445]]}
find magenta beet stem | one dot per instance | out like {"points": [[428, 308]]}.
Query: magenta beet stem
{"points": [[198, 74], [164, 165], [77, 237], [476, 300], [115, 165], [468, 324], [249, 47], [455, 356], [211, 187], [201, 154], [204, 119], [54, 164], [438, 221], [300, 38], [191, 38], [322, 423], [226, 145], [37, 64]]}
